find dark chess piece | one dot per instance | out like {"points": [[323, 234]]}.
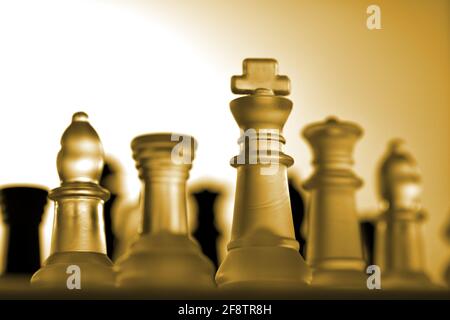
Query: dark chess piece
{"points": [[206, 232], [22, 208], [108, 180], [298, 214], [368, 230]]}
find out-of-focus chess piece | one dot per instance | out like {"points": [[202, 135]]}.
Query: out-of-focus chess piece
{"points": [[111, 181], [78, 237], [127, 221], [165, 256], [22, 208], [334, 241], [298, 213], [219, 207], [447, 271], [447, 276], [263, 252], [206, 232], [403, 265], [368, 222]]}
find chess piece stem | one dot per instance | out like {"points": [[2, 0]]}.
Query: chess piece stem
{"points": [[334, 243]]}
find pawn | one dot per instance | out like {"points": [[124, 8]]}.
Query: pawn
{"points": [[263, 252], [368, 235], [23, 207], [78, 244], [334, 242], [402, 260], [206, 232], [164, 257], [111, 182], [298, 214]]}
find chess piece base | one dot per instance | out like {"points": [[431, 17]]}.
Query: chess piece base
{"points": [[339, 279], [263, 267], [96, 270], [165, 260]]}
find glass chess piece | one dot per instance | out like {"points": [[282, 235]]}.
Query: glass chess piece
{"points": [[165, 256], [78, 237], [334, 249], [401, 255], [263, 253]]}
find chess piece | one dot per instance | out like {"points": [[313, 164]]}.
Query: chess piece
{"points": [[22, 208], [126, 221], [368, 239], [447, 270], [110, 181], [206, 232], [400, 189], [263, 252], [298, 213], [165, 256], [78, 237], [223, 218], [334, 241]]}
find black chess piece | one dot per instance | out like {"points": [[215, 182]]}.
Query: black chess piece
{"points": [[23, 208], [298, 214], [108, 180], [368, 231], [206, 232]]}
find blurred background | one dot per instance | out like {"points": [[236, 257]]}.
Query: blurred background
{"points": [[146, 66]]}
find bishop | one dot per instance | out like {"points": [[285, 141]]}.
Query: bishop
{"points": [[401, 255], [78, 246]]}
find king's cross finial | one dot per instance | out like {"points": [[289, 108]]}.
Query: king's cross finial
{"points": [[260, 75]]}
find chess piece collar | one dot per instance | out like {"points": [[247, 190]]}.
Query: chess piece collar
{"points": [[332, 142]]}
